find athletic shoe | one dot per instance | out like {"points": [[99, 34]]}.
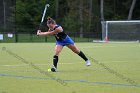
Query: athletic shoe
{"points": [[88, 63], [53, 69]]}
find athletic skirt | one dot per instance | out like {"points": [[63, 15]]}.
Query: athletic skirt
{"points": [[65, 42]]}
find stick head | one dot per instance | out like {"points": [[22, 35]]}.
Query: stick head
{"points": [[47, 5]]}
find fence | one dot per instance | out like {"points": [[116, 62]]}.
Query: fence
{"points": [[32, 37]]}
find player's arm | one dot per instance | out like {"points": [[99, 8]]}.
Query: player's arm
{"points": [[49, 32]]}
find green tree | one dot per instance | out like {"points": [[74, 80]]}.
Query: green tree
{"points": [[29, 13], [74, 15]]}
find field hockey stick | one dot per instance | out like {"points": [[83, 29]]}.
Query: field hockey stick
{"points": [[43, 16]]}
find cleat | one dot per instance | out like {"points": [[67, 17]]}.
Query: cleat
{"points": [[53, 69], [88, 63]]}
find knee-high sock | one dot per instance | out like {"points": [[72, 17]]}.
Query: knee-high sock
{"points": [[82, 55], [55, 61]]}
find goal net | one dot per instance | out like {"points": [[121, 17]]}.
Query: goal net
{"points": [[121, 30]]}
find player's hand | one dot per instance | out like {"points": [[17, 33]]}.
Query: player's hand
{"points": [[38, 32]]}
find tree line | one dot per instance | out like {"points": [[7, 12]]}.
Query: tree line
{"points": [[74, 15]]}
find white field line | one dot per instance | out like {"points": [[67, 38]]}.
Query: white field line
{"points": [[109, 47], [21, 65], [34, 64], [121, 42], [116, 61], [125, 42]]}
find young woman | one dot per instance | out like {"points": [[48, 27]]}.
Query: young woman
{"points": [[62, 39]]}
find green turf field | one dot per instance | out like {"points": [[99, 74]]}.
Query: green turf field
{"points": [[118, 65]]}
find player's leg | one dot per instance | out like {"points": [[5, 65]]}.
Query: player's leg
{"points": [[80, 53], [58, 49]]}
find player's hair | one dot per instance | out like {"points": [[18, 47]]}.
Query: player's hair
{"points": [[50, 21]]}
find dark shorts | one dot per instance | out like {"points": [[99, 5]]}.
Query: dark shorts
{"points": [[65, 42]]}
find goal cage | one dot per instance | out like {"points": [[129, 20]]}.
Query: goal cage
{"points": [[121, 30]]}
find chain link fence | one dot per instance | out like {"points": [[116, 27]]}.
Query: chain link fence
{"points": [[32, 37]]}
